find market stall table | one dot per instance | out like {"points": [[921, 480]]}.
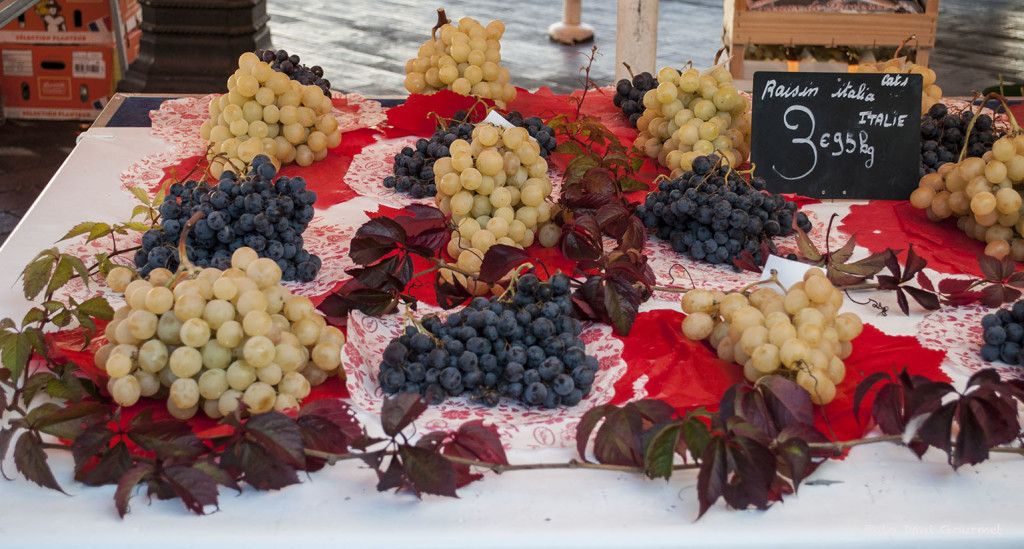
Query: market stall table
{"points": [[879, 494]]}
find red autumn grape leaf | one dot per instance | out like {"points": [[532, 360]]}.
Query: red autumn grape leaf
{"points": [[924, 282], [126, 486], [914, 264], [924, 298], [713, 475], [598, 180], [795, 455], [112, 465], [319, 433], [219, 475], [428, 471], [888, 409], [581, 239], [376, 238], [752, 409], [747, 262], [991, 267], [450, 294], [634, 235], [499, 260], [30, 460], [586, 426], [954, 285], [400, 411], [842, 255], [901, 300], [621, 303], [261, 470], [167, 439], [479, 441], [863, 388], [336, 411], [807, 248], [618, 439], [195, 488], [787, 403], [90, 444], [937, 428], [653, 410], [279, 435]]}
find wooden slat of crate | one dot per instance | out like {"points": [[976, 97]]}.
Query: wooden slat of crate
{"points": [[833, 29], [742, 27]]}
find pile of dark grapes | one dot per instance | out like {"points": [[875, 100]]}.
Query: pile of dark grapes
{"points": [[414, 166], [257, 211], [629, 95], [942, 136], [280, 61], [712, 214], [527, 349], [1004, 335]]}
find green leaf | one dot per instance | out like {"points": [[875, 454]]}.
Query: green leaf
{"points": [[136, 226], [70, 422], [141, 194], [569, 147], [79, 267], [37, 273], [660, 452], [61, 275], [62, 319], [33, 315], [696, 435], [629, 184], [52, 306], [67, 387], [30, 459], [84, 227], [97, 307], [99, 230], [16, 352], [140, 210], [36, 382]]}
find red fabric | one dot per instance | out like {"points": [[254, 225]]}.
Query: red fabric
{"points": [[882, 224], [418, 115], [688, 375]]}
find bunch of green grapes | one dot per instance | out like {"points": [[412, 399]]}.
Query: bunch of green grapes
{"points": [[265, 112], [984, 194], [800, 334], [691, 114], [215, 340], [931, 93], [496, 190], [463, 58]]}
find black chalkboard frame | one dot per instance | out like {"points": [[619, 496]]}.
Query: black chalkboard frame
{"points": [[875, 156]]}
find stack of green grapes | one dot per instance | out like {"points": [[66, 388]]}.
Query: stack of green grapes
{"points": [[215, 340], [265, 112]]}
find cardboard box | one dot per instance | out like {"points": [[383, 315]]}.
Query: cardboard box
{"points": [[59, 82], [70, 22]]}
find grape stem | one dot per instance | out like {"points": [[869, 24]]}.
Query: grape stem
{"points": [[442, 20]]}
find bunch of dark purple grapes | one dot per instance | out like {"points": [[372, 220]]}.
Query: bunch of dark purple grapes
{"points": [[526, 348], [629, 95], [280, 61], [942, 136]]}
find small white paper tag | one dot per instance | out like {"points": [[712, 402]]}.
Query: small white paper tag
{"points": [[498, 120], [788, 272]]}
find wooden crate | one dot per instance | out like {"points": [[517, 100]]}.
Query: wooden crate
{"points": [[743, 27]]}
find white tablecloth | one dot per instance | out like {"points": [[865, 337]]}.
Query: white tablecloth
{"points": [[880, 494]]}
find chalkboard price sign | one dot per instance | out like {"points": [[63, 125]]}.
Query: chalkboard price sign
{"points": [[837, 135]]}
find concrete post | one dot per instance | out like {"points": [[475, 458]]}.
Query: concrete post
{"points": [[570, 30], [636, 37]]}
